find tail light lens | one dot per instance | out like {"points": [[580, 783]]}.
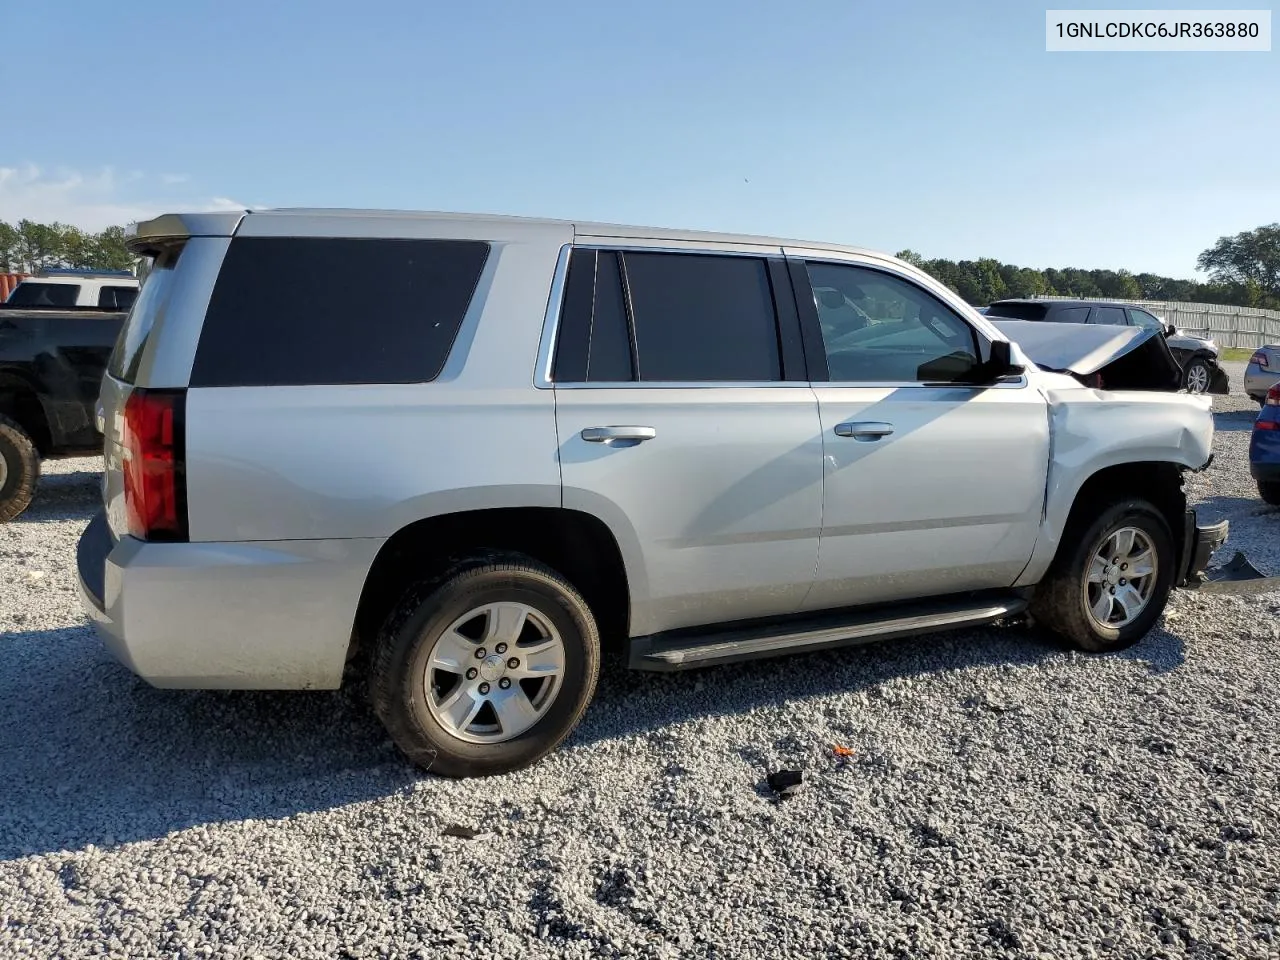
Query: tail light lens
{"points": [[1273, 396], [155, 495], [1261, 359]]}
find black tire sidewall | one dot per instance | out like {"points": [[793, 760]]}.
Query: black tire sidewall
{"points": [[1269, 491], [404, 710], [23, 469], [1132, 513]]}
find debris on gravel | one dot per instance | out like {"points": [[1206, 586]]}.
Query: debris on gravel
{"points": [[999, 795]]}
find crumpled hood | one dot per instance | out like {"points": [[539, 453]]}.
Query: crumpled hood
{"points": [[1127, 358]]}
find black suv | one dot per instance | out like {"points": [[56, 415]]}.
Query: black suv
{"points": [[1198, 358]]}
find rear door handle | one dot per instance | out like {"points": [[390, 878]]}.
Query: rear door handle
{"points": [[864, 430], [618, 436]]}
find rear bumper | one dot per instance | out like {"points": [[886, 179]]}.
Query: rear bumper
{"points": [[1258, 381], [261, 615]]}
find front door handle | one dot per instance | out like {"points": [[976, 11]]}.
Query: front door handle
{"points": [[618, 436], [864, 430]]}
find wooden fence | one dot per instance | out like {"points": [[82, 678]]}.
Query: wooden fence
{"points": [[1247, 327]]}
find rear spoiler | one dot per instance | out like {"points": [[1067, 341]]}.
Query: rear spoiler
{"points": [[147, 236]]}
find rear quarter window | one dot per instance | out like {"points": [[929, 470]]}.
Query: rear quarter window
{"points": [[295, 311], [151, 300]]}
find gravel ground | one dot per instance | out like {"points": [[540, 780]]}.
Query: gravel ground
{"points": [[1003, 797]]}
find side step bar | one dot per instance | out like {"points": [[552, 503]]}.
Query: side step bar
{"points": [[688, 650]]}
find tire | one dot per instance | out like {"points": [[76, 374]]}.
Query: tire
{"points": [[1063, 599], [413, 704], [19, 469], [1197, 376], [1269, 491]]}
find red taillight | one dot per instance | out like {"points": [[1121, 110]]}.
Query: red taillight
{"points": [[1273, 396], [1261, 359], [154, 471], [1266, 425]]}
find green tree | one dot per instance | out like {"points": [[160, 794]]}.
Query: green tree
{"points": [[110, 253], [39, 245], [1251, 258], [8, 248]]}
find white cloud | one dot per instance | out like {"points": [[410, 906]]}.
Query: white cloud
{"points": [[92, 201]]}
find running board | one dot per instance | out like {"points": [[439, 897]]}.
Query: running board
{"points": [[686, 650]]}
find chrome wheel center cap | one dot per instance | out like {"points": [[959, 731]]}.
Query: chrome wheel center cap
{"points": [[493, 667]]}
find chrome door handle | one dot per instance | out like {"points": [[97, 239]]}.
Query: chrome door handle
{"points": [[626, 436], [868, 430]]}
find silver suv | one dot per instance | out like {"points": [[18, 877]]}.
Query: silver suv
{"points": [[515, 441]]}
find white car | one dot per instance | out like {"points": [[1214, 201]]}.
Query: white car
{"points": [[60, 289]]}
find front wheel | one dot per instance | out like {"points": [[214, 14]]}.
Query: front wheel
{"points": [[487, 668], [1111, 578], [1196, 376]]}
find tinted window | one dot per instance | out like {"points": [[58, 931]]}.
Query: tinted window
{"points": [[1113, 316], [1070, 315], [286, 311], [878, 327], [702, 317], [117, 298], [1140, 318], [594, 342], [30, 294], [127, 354], [1018, 311]]}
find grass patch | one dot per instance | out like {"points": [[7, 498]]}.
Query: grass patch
{"points": [[1240, 354]]}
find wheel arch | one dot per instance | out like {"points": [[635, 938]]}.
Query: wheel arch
{"points": [[20, 401], [578, 545]]}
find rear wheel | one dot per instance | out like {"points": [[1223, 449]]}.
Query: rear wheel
{"points": [[487, 668], [19, 469], [1196, 376], [1111, 578], [1269, 491]]}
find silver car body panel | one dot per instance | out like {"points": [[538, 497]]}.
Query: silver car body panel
{"points": [[1258, 379], [742, 501], [264, 615], [1095, 429]]}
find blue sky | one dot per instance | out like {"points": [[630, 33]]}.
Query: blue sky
{"points": [[937, 126]]}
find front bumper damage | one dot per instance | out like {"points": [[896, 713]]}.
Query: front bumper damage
{"points": [[1238, 576]]}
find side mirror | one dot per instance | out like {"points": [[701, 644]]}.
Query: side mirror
{"points": [[1169, 329], [1001, 362]]}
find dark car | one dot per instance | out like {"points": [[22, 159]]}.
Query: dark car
{"points": [[51, 367], [1198, 358]]}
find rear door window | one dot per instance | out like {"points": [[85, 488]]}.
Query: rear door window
{"points": [[1069, 315], [594, 343], [286, 311], [1112, 316], [117, 298], [700, 317], [33, 294]]}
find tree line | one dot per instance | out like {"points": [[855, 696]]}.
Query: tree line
{"points": [[1244, 270], [30, 247]]}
